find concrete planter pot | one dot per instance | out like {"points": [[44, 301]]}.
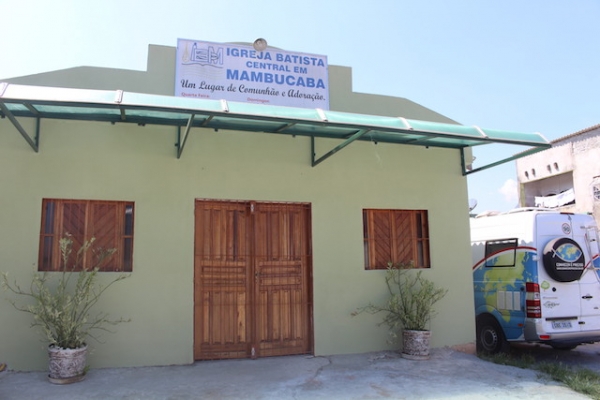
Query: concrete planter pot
{"points": [[415, 344], [66, 365]]}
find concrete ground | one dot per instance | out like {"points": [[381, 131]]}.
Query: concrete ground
{"points": [[451, 373]]}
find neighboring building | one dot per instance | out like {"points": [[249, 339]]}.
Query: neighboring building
{"points": [[564, 177], [259, 239]]}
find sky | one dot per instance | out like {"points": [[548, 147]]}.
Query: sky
{"points": [[524, 66]]}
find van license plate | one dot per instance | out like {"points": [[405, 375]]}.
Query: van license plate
{"points": [[561, 324]]}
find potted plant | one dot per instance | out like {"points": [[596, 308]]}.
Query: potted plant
{"points": [[60, 303], [408, 309]]}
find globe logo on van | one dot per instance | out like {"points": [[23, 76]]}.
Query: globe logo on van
{"points": [[568, 252], [563, 260]]}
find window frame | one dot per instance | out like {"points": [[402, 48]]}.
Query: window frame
{"points": [[109, 222], [596, 192], [401, 236], [493, 247]]}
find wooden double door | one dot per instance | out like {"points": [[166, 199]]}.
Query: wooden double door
{"points": [[252, 279]]}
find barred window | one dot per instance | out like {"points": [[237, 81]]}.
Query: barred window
{"points": [[397, 236], [110, 223]]}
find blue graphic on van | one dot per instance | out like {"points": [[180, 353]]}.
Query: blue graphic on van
{"points": [[596, 266], [499, 289], [568, 252]]}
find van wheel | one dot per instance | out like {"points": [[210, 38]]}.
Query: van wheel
{"points": [[490, 338]]}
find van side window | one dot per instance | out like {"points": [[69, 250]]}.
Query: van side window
{"points": [[501, 253]]}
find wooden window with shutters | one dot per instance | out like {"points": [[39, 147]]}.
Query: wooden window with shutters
{"points": [[110, 223], [396, 236]]}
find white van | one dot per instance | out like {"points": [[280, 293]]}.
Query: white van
{"points": [[535, 279]]}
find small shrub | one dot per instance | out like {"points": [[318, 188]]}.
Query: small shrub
{"points": [[62, 301], [410, 302]]}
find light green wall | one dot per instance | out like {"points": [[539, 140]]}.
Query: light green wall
{"points": [[89, 160]]}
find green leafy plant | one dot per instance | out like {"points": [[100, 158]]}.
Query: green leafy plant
{"points": [[61, 301], [410, 301]]}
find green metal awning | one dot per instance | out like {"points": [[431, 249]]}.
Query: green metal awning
{"points": [[185, 113]]}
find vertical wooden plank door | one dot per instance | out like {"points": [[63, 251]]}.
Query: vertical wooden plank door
{"points": [[252, 287]]}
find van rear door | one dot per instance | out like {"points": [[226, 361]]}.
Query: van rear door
{"points": [[584, 232], [560, 268]]}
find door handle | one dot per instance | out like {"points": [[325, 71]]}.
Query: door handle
{"points": [[587, 297]]}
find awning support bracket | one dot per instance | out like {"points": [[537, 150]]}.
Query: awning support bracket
{"points": [[351, 139], [33, 142], [466, 172], [181, 139]]}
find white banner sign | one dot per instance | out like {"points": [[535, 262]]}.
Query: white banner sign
{"points": [[233, 72]]}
